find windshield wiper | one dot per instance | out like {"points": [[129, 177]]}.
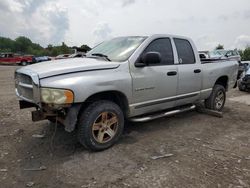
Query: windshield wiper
{"points": [[101, 55]]}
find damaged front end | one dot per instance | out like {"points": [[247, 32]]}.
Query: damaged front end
{"points": [[50, 103], [66, 115]]}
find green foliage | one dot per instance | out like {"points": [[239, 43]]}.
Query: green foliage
{"points": [[24, 45], [219, 47], [85, 48], [56, 50], [6, 44], [245, 55]]}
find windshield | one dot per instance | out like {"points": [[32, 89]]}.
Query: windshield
{"points": [[117, 49], [221, 52], [214, 54]]}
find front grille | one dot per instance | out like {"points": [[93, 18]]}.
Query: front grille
{"points": [[24, 78], [24, 86]]}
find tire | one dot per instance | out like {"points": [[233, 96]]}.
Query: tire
{"points": [[24, 63], [241, 87], [100, 125], [213, 101]]}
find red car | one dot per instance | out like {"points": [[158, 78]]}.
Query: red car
{"points": [[15, 59]]}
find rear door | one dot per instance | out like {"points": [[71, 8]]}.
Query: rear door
{"points": [[189, 73], [155, 85]]}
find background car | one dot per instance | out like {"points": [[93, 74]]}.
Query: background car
{"points": [[243, 66], [15, 59], [244, 81], [215, 55], [229, 54], [78, 54], [203, 55], [62, 56], [41, 59]]}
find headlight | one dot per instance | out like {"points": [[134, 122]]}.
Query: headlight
{"points": [[56, 96]]}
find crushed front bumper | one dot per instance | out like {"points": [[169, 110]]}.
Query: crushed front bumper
{"points": [[66, 116], [27, 87]]}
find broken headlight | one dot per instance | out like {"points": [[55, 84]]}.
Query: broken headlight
{"points": [[56, 96]]}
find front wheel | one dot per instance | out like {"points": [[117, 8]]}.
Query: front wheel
{"points": [[100, 125], [217, 99]]}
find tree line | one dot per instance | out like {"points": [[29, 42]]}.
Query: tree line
{"points": [[24, 45], [245, 54]]}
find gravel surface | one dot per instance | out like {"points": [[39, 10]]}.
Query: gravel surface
{"points": [[186, 150]]}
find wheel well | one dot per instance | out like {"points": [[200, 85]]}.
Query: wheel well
{"points": [[223, 80], [115, 96]]}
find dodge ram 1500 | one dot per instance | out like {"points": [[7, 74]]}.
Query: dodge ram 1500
{"points": [[136, 78]]}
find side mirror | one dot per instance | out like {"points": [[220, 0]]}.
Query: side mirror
{"points": [[148, 58], [151, 58]]}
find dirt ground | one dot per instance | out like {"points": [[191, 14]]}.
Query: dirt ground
{"points": [[207, 151]]}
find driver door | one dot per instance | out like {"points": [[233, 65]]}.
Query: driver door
{"points": [[155, 85]]}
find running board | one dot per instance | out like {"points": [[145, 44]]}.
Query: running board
{"points": [[162, 114]]}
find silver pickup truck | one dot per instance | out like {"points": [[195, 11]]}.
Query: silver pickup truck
{"points": [[136, 78]]}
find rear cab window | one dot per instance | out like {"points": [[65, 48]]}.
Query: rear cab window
{"points": [[185, 51]]}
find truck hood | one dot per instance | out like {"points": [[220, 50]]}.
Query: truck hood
{"points": [[65, 66]]}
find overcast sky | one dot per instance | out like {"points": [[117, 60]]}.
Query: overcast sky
{"points": [[76, 22]]}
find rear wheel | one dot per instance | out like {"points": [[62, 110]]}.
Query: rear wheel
{"points": [[217, 99], [100, 125]]}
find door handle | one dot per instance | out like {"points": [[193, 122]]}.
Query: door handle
{"points": [[197, 70], [172, 73]]}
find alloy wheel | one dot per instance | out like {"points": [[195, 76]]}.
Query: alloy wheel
{"points": [[219, 100], [105, 127]]}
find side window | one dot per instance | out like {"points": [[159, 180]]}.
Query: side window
{"points": [[185, 51], [164, 47]]}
